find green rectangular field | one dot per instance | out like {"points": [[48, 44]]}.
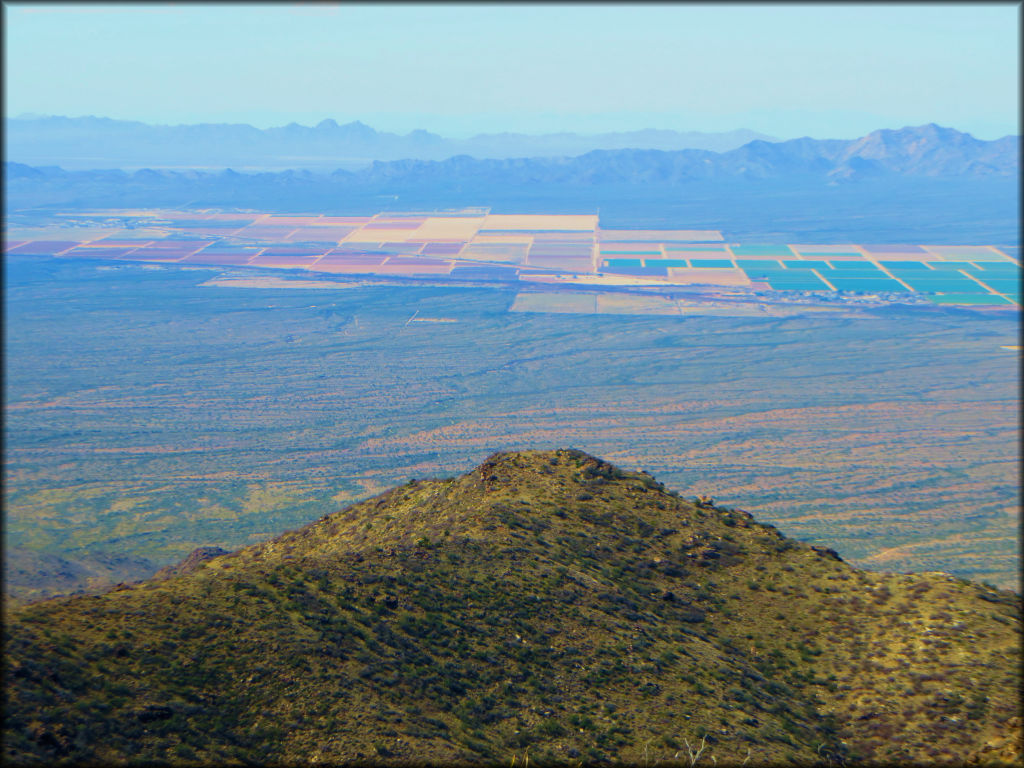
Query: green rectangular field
{"points": [[807, 264], [1002, 284], [712, 263], [758, 264], [976, 299], [913, 267], [838, 255]]}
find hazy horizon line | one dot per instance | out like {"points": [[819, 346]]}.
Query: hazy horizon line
{"points": [[465, 134]]}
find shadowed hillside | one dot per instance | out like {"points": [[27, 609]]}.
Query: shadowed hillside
{"points": [[545, 602]]}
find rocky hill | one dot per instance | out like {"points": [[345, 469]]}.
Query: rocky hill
{"points": [[927, 151], [546, 605]]}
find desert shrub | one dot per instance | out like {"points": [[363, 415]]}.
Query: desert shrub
{"points": [[551, 728]]}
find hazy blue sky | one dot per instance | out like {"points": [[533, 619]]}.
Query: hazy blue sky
{"points": [[829, 71]]}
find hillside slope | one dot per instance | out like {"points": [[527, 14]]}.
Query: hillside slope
{"points": [[544, 602]]}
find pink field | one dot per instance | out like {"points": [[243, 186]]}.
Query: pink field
{"points": [[358, 245], [100, 253], [159, 252], [418, 262], [114, 243], [296, 250], [227, 259], [45, 247], [184, 242], [261, 232], [218, 232], [350, 261], [321, 234], [345, 269], [282, 260], [167, 251], [148, 256]]}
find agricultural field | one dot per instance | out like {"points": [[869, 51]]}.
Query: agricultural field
{"points": [[154, 406], [475, 245]]}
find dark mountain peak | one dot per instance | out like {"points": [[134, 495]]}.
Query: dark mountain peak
{"points": [[565, 492], [528, 462], [328, 124], [545, 600]]}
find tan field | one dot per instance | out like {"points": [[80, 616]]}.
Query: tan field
{"points": [[344, 269], [698, 276], [449, 228], [516, 239], [539, 222]]}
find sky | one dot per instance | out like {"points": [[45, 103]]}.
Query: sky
{"points": [[827, 71]]}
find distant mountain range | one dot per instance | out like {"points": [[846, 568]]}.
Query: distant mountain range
{"points": [[928, 184], [84, 143], [927, 151]]}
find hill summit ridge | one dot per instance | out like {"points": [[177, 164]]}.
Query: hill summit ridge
{"points": [[544, 603], [508, 494]]}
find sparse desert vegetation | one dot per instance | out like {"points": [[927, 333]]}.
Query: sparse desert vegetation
{"points": [[146, 416], [545, 603]]}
